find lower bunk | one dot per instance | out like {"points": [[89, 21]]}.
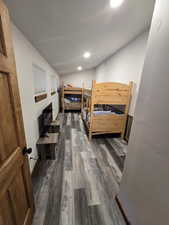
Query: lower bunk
{"points": [[72, 106], [104, 123], [72, 103]]}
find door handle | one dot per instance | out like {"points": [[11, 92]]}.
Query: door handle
{"points": [[27, 151]]}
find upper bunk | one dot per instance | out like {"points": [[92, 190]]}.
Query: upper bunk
{"points": [[111, 93], [72, 91]]}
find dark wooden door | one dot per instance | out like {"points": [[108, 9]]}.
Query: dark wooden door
{"points": [[16, 199]]}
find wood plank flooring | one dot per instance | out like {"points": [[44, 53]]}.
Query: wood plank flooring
{"points": [[78, 188]]}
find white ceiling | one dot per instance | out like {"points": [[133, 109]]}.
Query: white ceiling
{"points": [[63, 29]]}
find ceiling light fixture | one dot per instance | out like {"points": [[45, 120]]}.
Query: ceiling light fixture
{"points": [[115, 3], [87, 55], [79, 68]]}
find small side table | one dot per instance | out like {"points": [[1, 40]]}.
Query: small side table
{"points": [[47, 146]]}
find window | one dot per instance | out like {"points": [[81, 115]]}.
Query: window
{"points": [[40, 81], [53, 84]]}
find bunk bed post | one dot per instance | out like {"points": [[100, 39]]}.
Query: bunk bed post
{"points": [[127, 108], [91, 109], [62, 97], [82, 100]]}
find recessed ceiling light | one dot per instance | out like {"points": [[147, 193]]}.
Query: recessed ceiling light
{"points": [[87, 55], [79, 68], [115, 3]]}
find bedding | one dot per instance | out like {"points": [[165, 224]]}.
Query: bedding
{"points": [[103, 112], [86, 114]]}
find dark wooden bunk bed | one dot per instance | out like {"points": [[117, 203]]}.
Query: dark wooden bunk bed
{"points": [[71, 91]]}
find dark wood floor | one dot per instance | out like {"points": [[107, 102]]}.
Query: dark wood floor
{"points": [[78, 188]]}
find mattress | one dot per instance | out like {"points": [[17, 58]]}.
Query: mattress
{"points": [[103, 112]]}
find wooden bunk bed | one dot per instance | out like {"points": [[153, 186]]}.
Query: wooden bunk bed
{"points": [[71, 91], [109, 94]]}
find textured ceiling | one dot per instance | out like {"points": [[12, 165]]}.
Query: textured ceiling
{"points": [[63, 29]]}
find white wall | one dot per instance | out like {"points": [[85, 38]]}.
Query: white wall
{"points": [[77, 79], [26, 55], [145, 184], [126, 65]]}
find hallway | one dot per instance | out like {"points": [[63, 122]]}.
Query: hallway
{"points": [[84, 120], [79, 187]]}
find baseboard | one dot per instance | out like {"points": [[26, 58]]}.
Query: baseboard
{"points": [[34, 171], [122, 211]]}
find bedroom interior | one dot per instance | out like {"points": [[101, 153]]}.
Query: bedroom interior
{"points": [[84, 120]]}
